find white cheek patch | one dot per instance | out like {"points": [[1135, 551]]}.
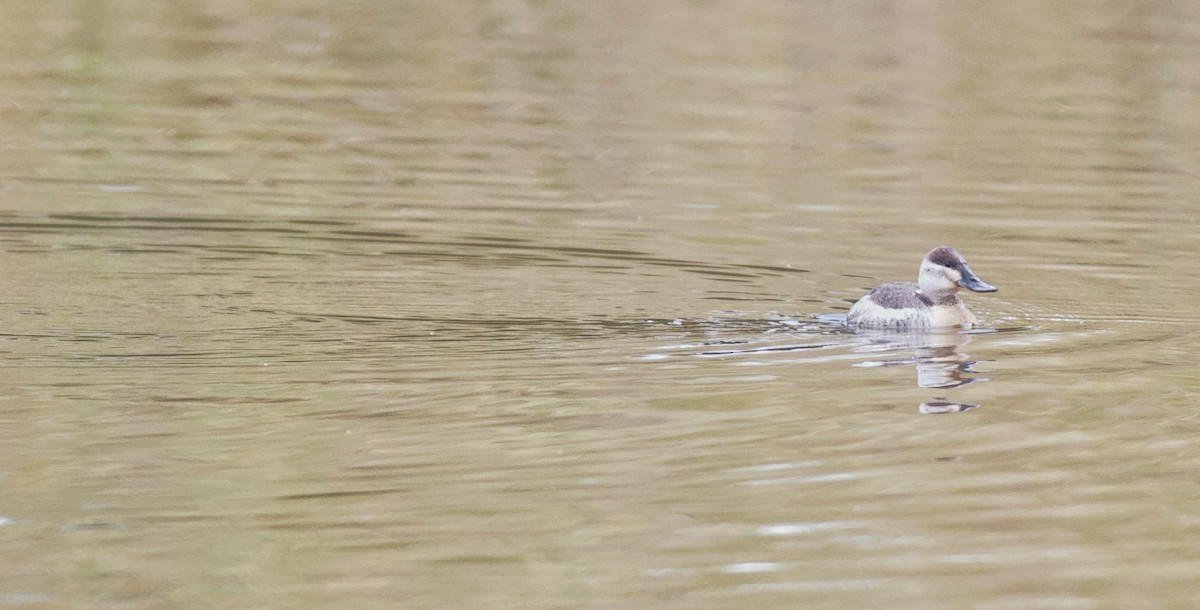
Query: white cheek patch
{"points": [[939, 276]]}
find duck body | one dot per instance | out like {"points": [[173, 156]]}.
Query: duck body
{"points": [[931, 302]]}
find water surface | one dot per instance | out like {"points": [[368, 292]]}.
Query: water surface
{"points": [[522, 306]]}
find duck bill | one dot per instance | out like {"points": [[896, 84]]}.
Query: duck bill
{"points": [[970, 281]]}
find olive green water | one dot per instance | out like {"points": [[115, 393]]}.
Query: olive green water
{"points": [[512, 305]]}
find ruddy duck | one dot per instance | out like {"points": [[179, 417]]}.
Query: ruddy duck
{"points": [[932, 301]]}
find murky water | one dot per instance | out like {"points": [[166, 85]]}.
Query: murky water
{"points": [[512, 305]]}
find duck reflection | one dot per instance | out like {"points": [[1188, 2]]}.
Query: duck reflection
{"points": [[936, 357]]}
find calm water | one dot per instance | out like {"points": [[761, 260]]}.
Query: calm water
{"points": [[515, 305]]}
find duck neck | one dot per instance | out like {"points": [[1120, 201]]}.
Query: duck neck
{"points": [[938, 298]]}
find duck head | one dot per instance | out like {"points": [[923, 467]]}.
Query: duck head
{"points": [[944, 270]]}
